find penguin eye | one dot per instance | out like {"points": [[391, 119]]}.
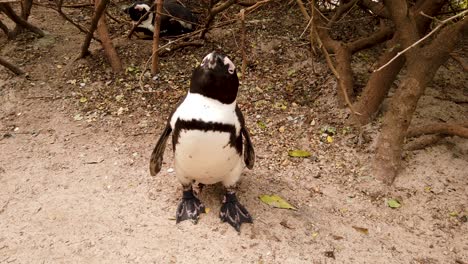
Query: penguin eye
{"points": [[231, 71]]}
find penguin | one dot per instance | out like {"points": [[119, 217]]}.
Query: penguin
{"points": [[211, 142], [179, 21]]}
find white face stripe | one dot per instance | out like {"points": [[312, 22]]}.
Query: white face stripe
{"points": [[232, 67], [212, 63], [209, 59], [142, 6]]}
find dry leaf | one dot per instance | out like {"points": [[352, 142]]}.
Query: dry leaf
{"points": [[276, 201], [363, 230]]}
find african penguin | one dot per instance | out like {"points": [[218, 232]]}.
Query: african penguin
{"points": [[208, 129], [179, 20]]}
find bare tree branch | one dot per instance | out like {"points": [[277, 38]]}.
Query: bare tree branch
{"points": [[212, 13], [157, 29], [422, 39], [94, 23], [6, 8]]}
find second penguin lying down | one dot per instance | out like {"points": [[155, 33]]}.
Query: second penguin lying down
{"points": [[208, 129], [175, 19]]}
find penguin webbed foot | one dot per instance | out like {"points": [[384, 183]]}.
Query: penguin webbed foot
{"points": [[189, 208], [233, 212]]}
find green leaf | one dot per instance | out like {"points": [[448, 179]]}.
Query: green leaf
{"points": [[393, 203], [453, 214], [291, 72], [276, 201], [328, 130], [261, 124], [299, 153], [119, 97]]}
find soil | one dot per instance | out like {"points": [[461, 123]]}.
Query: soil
{"points": [[75, 142]]}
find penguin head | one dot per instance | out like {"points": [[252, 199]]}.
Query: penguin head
{"points": [[216, 78], [137, 10]]}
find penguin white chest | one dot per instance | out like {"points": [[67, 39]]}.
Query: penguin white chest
{"points": [[206, 132], [205, 156]]}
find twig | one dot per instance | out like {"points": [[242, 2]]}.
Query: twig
{"points": [[255, 6], [422, 39], [157, 28], [112, 17], [244, 59], [303, 10], [312, 33], [305, 29], [214, 10]]}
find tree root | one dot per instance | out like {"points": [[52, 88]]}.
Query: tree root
{"points": [[11, 67], [449, 129], [423, 142], [6, 8]]}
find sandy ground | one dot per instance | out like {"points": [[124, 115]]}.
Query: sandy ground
{"points": [[75, 189]]}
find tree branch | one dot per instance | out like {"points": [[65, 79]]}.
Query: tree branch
{"points": [[212, 13], [375, 8], [94, 23], [157, 28], [384, 33], [109, 49], [422, 39], [6, 8]]}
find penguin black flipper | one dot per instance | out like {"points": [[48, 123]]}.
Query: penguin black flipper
{"points": [[249, 153], [158, 152]]}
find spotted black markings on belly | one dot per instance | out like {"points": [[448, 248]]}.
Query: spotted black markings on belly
{"points": [[235, 141]]}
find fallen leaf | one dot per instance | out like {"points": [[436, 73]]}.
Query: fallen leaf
{"points": [[299, 153], [119, 97], [315, 234], [328, 130], [83, 99], [261, 124], [207, 210], [329, 254], [393, 203], [329, 139], [282, 129], [363, 230], [337, 237], [453, 214], [276, 201], [286, 224], [78, 117]]}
